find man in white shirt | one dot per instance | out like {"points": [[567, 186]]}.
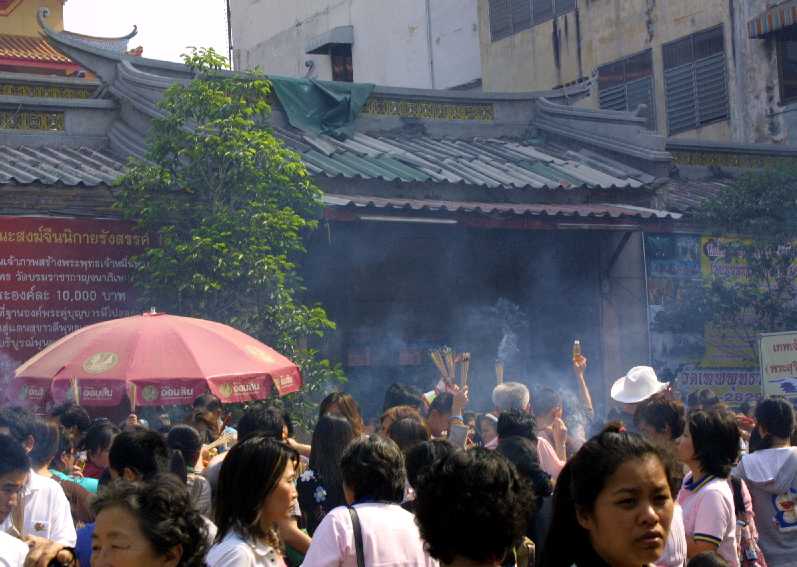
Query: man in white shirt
{"points": [[30, 504]]}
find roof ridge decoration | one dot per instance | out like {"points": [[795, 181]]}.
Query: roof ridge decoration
{"points": [[114, 44], [616, 131]]}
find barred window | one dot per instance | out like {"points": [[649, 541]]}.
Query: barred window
{"points": [[627, 84], [696, 80], [508, 17], [787, 66]]}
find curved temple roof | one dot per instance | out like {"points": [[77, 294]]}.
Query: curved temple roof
{"points": [[112, 44], [523, 156]]}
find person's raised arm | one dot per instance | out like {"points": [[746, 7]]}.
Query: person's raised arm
{"points": [[580, 367]]}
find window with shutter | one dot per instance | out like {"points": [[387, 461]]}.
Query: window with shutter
{"points": [[564, 6], [542, 10], [787, 69], [696, 80], [521, 15], [508, 17], [500, 19], [628, 83]]}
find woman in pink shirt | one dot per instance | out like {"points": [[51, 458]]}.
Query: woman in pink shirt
{"points": [[373, 483], [709, 446]]}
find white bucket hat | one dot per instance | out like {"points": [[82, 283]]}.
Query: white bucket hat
{"points": [[637, 385]]}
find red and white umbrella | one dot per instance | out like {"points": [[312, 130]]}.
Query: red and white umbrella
{"points": [[157, 359]]}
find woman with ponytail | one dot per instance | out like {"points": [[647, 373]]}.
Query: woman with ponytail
{"points": [[187, 441], [141, 454], [771, 475], [612, 506]]}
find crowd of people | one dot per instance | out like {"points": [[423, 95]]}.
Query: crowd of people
{"points": [[657, 482]]}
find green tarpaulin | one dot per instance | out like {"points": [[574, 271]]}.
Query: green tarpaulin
{"points": [[321, 107]]}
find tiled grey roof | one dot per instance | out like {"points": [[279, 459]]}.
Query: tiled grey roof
{"points": [[58, 165], [484, 162]]}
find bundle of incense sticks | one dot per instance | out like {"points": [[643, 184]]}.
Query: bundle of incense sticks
{"points": [[132, 395], [439, 363], [499, 371], [464, 359], [75, 390], [451, 365]]}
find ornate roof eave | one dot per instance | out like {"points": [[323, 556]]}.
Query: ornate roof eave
{"points": [[618, 132], [116, 44], [101, 61], [133, 33]]}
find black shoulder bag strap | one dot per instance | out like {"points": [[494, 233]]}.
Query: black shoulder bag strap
{"points": [[358, 536], [738, 498]]}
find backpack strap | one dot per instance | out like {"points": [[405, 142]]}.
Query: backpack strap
{"points": [[738, 499], [358, 536]]}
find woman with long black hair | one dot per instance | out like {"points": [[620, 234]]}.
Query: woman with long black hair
{"points": [[320, 487]]}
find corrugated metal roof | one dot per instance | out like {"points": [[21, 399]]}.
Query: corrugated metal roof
{"points": [[26, 48], [484, 162], [602, 210], [487, 163], [51, 165], [687, 195]]}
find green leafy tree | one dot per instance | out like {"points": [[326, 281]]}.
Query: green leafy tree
{"points": [[759, 210], [231, 205]]}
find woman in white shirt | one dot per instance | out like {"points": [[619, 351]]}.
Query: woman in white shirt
{"points": [[257, 489]]}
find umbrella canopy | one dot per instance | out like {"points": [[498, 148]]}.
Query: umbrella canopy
{"points": [[157, 359]]}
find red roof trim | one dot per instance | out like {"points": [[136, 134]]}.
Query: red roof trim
{"points": [[18, 62]]}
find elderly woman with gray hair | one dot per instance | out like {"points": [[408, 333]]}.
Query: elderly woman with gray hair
{"points": [[512, 402], [510, 396]]}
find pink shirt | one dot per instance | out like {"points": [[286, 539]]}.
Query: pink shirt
{"points": [[549, 460], [709, 514], [390, 539]]}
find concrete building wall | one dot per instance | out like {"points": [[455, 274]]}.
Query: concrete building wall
{"points": [[574, 45], [762, 117], [624, 324], [395, 43]]}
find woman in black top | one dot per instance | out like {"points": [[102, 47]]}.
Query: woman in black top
{"points": [[320, 487]]}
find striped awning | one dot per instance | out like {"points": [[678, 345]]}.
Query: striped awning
{"points": [[775, 19]]}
